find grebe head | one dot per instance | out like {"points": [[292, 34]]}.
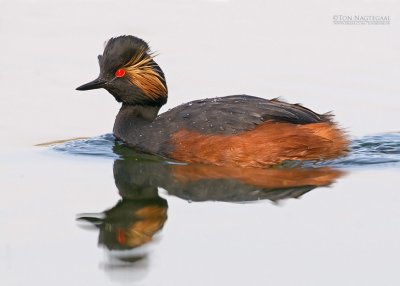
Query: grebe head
{"points": [[129, 73]]}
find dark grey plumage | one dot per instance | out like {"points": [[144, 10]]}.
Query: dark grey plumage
{"points": [[236, 113]]}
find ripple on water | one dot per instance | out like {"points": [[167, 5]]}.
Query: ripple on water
{"points": [[96, 146], [381, 149]]}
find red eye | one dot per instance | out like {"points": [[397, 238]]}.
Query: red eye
{"points": [[120, 73], [121, 238]]}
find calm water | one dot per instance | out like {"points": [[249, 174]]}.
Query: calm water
{"points": [[117, 216], [92, 212]]}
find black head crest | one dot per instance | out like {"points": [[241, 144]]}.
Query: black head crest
{"points": [[120, 50], [129, 73]]}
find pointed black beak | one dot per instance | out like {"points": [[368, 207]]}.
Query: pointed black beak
{"points": [[97, 83]]}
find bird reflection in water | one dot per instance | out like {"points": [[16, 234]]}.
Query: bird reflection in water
{"points": [[142, 213]]}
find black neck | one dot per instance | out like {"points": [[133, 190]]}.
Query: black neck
{"points": [[133, 117], [146, 112]]}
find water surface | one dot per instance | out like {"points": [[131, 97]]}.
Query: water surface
{"points": [[343, 227], [93, 210]]}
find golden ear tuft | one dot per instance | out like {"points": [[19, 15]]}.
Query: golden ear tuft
{"points": [[140, 71]]}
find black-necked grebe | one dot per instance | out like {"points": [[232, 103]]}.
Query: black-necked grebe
{"points": [[236, 130]]}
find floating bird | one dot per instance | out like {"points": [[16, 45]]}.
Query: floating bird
{"points": [[237, 130]]}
